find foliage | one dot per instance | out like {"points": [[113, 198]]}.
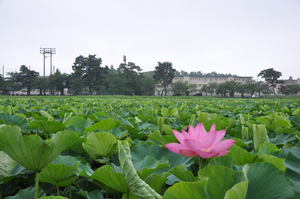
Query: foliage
{"points": [[183, 88], [59, 82], [163, 75], [24, 78], [89, 71], [71, 144], [131, 73], [271, 76], [290, 89]]}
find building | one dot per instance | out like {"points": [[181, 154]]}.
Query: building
{"points": [[286, 82], [200, 81], [290, 81]]}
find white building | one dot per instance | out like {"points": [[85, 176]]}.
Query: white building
{"points": [[200, 81]]}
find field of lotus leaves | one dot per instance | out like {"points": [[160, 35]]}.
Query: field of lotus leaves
{"points": [[119, 147]]}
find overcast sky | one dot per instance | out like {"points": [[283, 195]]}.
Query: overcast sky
{"points": [[240, 37]]}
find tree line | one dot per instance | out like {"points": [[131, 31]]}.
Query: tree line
{"points": [[89, 77]]}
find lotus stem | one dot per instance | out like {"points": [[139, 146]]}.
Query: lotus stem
{"points": [[202, 163], [127, 193], [57, 190], [36, 187]]}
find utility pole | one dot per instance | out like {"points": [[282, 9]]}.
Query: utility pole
{"points": [[3, 71], [50, 64], [44, 91]]}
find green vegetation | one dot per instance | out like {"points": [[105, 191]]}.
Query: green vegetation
{"points": [[113, 147], [89, 77]]}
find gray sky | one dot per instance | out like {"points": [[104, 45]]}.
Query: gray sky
{"points": [[240, 37]]}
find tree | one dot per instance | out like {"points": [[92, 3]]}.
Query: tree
{"points": [[148, 85], [25, 78], [133, 76], [163, 75], [290, 89], [183, 88], [180, 88], [205, 89], [242, 88], [115, 83], [40, 83], [221, 89], [89, 71], [58, 81], [211, 87], [76, 83], [192, 89], [271, 76], [3, 85], [231, 87]]}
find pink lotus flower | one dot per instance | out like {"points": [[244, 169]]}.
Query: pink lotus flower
{"points": [[198, 142]]}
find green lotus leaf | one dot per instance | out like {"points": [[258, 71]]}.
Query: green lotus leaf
{"points": [[225, 161], [282, 139], [30, 150], [83, 169], [47, 126], [157, 181], [128, 196], [135, 184], [238, 191], [100, 144], [7, 165], [296, 112], [59, 174], [240, 156], [149, 165], [267, 182], [13, 120], [293, 168], [96, 194], [187, 190], [142, 149], [260, 135], [276, 161], [221, 179], [27, 193], [161, 139], [277, 122], [108, 176], [77, 124], [183, 173], [267, 148], [46, 115], [104, 125], [295, 120]]}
